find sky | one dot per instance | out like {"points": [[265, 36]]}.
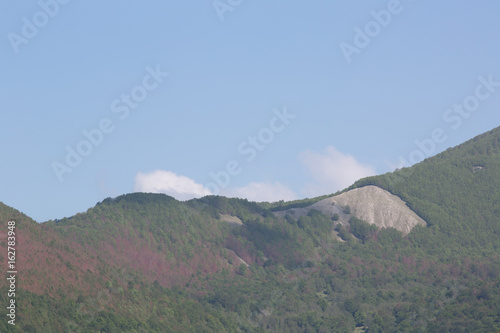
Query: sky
{"points": [[264, 100]]}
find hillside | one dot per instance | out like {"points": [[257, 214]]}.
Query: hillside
{"points": [[370, 203], [149, 263], [456, 192]]}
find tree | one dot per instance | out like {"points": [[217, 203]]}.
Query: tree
{"points": [[242, 269], [359, 318], [360, 228], [351, 306]]}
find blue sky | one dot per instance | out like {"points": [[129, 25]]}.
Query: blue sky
{"points": [[263, 100]]}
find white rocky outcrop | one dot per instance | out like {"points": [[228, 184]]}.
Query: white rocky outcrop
{"points": [[371, 204]]}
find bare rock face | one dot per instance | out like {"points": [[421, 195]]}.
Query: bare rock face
{"points": [[231, 219], [371, 204]]}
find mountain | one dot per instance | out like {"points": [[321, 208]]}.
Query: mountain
{"points": [[456, 192], [369, 203], [416, 250]]}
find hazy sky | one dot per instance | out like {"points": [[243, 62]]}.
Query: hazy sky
{"points": [[266, 100]]}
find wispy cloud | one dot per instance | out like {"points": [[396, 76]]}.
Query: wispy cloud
{"points": [[332, 170], [177, 186], [185, 188]]}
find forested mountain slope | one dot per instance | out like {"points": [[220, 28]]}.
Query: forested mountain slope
{"points": [[456, 192], [149, 263]]}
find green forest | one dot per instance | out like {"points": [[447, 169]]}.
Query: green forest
{"points": [[149, 263]]}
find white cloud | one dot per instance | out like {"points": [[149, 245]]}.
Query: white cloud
{"points": [[184, 188], [177, 186], [332, 171], [259, 192]]}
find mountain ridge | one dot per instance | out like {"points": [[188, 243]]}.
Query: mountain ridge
{"points": [[149, 263]]}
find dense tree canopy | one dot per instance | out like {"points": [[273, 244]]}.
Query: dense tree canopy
{"points": [[149, 263]]}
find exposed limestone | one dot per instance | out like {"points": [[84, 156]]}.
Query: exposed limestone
{"points": [[371, 204]]}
